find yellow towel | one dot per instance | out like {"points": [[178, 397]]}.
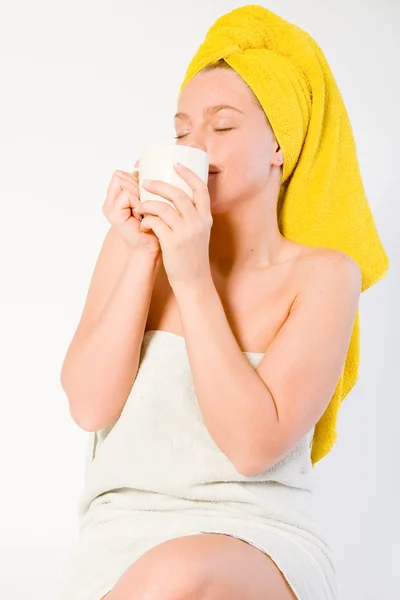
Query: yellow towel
{"points": [[322, 199]]}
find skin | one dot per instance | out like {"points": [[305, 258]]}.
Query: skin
{"points": [[204, 567], [246, 250], [244, 195]]}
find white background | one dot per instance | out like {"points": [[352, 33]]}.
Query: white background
{"points": [[84, 85]]}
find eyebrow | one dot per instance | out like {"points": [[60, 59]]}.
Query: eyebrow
{"points": [[209, 110]]}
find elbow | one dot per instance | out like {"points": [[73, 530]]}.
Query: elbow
{"points": [[82, 422], [254, 469], [257, 463], [85, 419], [88, 418], [78, 416], [250, 469], [90, 424]]}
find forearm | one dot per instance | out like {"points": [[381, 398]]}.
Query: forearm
{"points": [[237, 407], [101, 365]]}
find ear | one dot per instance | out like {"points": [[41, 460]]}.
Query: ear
{"points": [[278, 158]]}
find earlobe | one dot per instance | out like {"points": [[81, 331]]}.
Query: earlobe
{"points": [[278, 160]]}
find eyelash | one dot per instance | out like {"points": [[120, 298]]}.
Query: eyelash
{"points": [[178, 137]]}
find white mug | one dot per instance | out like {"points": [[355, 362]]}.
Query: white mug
{"points": [[156, 162]]}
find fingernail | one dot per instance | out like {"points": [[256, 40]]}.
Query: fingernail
{"points": [[145, 182]]}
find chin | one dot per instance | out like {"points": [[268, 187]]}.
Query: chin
{"points": [[218, 205]]}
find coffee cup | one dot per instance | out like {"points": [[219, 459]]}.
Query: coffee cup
{"points": [[156, 162]]}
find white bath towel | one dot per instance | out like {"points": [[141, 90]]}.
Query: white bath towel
{"points": [[157, 474]]}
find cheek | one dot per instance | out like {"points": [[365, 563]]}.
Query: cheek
{"points": [[244, 169], [245, 165], [246, 152], [238, 160]]}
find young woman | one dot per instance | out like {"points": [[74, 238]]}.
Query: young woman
{"points": [[209, 348]]}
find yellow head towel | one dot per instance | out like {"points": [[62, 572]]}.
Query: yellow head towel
{"points": [[323, 202]]}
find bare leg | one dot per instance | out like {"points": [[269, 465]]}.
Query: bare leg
{"points": [[203, 567]]}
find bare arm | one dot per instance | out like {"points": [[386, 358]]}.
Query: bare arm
{"points": [[256, 416], [102, 360]]}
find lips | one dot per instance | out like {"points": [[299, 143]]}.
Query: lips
{"points": [[213, 170]]}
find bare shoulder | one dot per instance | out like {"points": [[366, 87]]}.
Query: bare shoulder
{"points": [[328, 268]]}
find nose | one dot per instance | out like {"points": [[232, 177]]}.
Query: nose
{"points": [[196, 138], [201, 146], [198, 146]]}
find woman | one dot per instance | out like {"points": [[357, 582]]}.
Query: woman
{"points": [[211, 346]]}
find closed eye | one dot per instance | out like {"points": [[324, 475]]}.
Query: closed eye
{"points": [[179, 137]]}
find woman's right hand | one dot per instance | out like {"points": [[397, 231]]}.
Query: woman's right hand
{"points": [[122, 196]]}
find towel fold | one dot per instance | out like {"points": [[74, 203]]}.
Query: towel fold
{"points": [[322, 201]]}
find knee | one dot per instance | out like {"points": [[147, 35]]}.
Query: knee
{"points": [[169, 578], [174, 580]]}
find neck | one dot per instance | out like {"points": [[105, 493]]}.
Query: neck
{"points": [[247, 239]]}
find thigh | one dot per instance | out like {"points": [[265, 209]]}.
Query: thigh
{"points": [[203, 567]]}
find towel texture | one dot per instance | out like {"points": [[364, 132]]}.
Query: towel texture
{"points": [[133, 500], [322, 200]]}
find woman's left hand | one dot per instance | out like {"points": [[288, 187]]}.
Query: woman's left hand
{"points": [[185, 235]]}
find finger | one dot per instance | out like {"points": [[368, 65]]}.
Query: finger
{"points": [[178, 197], [117, 184], [201, 196], [124, 201], [131, 177], [124, 198], [162, 210], [122, 207], [161, 230], [121, 181], [135, 172]]}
